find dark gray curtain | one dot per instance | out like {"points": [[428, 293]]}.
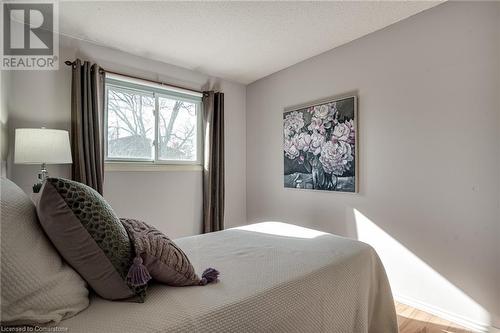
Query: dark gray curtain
{"points": [[213, 174], [87, 105]]}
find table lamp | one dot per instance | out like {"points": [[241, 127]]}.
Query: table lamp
{"points": [[42, 146]]}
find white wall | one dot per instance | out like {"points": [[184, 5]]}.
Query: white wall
{"points": [[170, 200], [429, 135]]}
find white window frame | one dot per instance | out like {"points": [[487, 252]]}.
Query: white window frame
{"points": [[156, 91]]}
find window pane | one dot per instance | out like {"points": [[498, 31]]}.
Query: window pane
{"points": [[131, 124], [177, 130]]}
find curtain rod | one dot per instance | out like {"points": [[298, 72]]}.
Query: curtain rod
{"points": [[71, 63]]}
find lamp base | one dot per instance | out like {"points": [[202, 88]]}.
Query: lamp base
{"points": [[43, 174]]}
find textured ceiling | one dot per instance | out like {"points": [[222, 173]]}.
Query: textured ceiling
{"points": [[239, 41]]}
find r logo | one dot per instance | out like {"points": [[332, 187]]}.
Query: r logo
{"points": [[28, 29]]}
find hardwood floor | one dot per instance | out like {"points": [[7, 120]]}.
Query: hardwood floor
{"points": [[411, 320]]}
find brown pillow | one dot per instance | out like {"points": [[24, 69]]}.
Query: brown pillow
{"points": [[89, 235], [158, 257]]}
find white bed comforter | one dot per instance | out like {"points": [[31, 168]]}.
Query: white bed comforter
{"points": [[275, 277]]}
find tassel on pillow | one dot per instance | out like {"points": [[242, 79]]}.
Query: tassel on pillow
{"points": [[208, 276], [138, 274]]}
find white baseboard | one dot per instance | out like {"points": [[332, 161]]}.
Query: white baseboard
{"points": [[453, 317]]}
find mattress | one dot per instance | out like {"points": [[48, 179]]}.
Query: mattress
{"points": [[275, 277]]}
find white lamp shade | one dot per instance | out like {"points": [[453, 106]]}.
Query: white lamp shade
{"points": [[40, 145]]}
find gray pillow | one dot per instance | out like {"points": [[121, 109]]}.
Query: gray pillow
{"points": [[158, 257], [89, 235]]}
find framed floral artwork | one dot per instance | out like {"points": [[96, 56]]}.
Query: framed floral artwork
{"points": [[320, 145]]}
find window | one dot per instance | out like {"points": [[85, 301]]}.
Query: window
{"points": [[152, 124]]}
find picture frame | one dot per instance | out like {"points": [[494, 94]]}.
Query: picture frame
{"points": [[320, 145]]}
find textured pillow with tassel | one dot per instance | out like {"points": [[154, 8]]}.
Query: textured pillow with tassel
{"points": [[89, 235], [159, 258]]}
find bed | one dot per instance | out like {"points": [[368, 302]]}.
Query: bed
{"points": [[275, 277]]}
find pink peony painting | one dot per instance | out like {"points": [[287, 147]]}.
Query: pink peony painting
{"points": [[320, 146]]}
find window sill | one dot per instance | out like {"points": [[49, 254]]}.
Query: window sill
{"points": [[141, 167]]}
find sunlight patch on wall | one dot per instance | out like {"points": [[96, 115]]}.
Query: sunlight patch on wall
{"points": [[282, 229], [413, 281]]}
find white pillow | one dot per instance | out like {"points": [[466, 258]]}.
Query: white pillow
{"points": [[36, 285]]}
